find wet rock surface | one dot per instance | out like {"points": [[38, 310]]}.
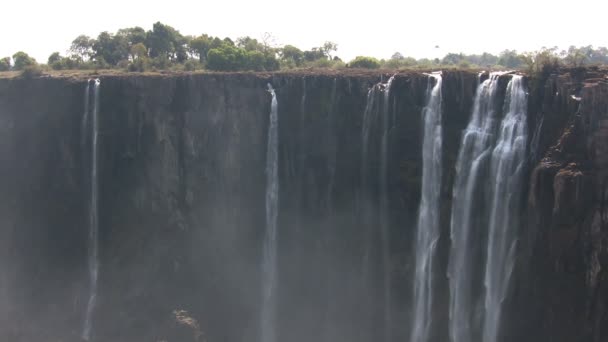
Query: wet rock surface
{"points": [[182, 211]]}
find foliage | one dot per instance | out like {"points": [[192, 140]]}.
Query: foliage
{"points": [[200, 46], [314, 54], [5, 64], [165, 48], [82, 47], [54, 58], [192, 65], [139, 65], [21, 60], [138, 51], [510, 59], [31, 71], [328, 48], [399, 61], [364, 62], [542, 62], [232, 58], [291, 54]]}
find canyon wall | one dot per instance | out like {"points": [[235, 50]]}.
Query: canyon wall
{"points": [[182, 206]]}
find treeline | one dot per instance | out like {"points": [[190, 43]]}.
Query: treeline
{"points": [[165, 48]]}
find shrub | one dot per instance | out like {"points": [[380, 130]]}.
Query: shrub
{"points": [[227, 58], [139, 65], [364, 62], [192, 65], [31, 71], [5, 64], [21, 60]]}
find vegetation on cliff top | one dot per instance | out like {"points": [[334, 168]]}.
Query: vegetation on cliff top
{"points": [[165, 48]]}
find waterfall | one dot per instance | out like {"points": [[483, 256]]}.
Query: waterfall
{"points": [[428, 216], [384, 221], [473, 157], [93, 257], [506, 180], [269, 262]]}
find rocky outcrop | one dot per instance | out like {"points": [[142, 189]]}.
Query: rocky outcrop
{"points": [[567, 236]]}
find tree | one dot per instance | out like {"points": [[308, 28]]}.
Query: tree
{"points": [[510, 59], [226, 58], [82, 47], [313, 54], [452, 58], [200, 46], [576, 57], [397, 56], [292, 53], [133, 35], [22, 60], [541, 62], [249, 44], [54, 58], [112, 48], [160, 40], [328, 48], [5, 64], [139, 51], [364, 62], [268, 42]]}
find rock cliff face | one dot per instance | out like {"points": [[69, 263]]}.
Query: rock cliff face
{"points": [[182, 207], [567, 234]]}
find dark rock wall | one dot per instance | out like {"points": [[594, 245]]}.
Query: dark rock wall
{"points": [[564, 272], [182, 212]]}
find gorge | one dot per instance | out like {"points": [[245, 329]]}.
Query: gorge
{"points": [[305, 206]]}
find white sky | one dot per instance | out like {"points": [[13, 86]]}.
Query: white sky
{"points": [[374, 28]]}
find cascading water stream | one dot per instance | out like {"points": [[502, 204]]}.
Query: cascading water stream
{"points": [[428, 217], [384, 224], [269, 261], [507, 171], [378, 108], [473, 158], [93, 257]]}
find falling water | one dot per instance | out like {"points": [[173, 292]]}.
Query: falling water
{"points": [[474, 155], [364, 205], [269, 262], [93, 257], [506, 167], [384, 224], [428, 216]]}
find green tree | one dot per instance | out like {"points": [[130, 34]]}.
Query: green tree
{"points": [[21, 60], [5, 64], [314, 54], [577, 57], [249, 44], [292, 53], [54, 58], [160, 40], [133, 35], [452, 58], [200, 46], [397, 56], [226, 58], [509, 59], [542, 62], [364, 62], [82, 47], [139, 51], [112, 48], [328, 48]]}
